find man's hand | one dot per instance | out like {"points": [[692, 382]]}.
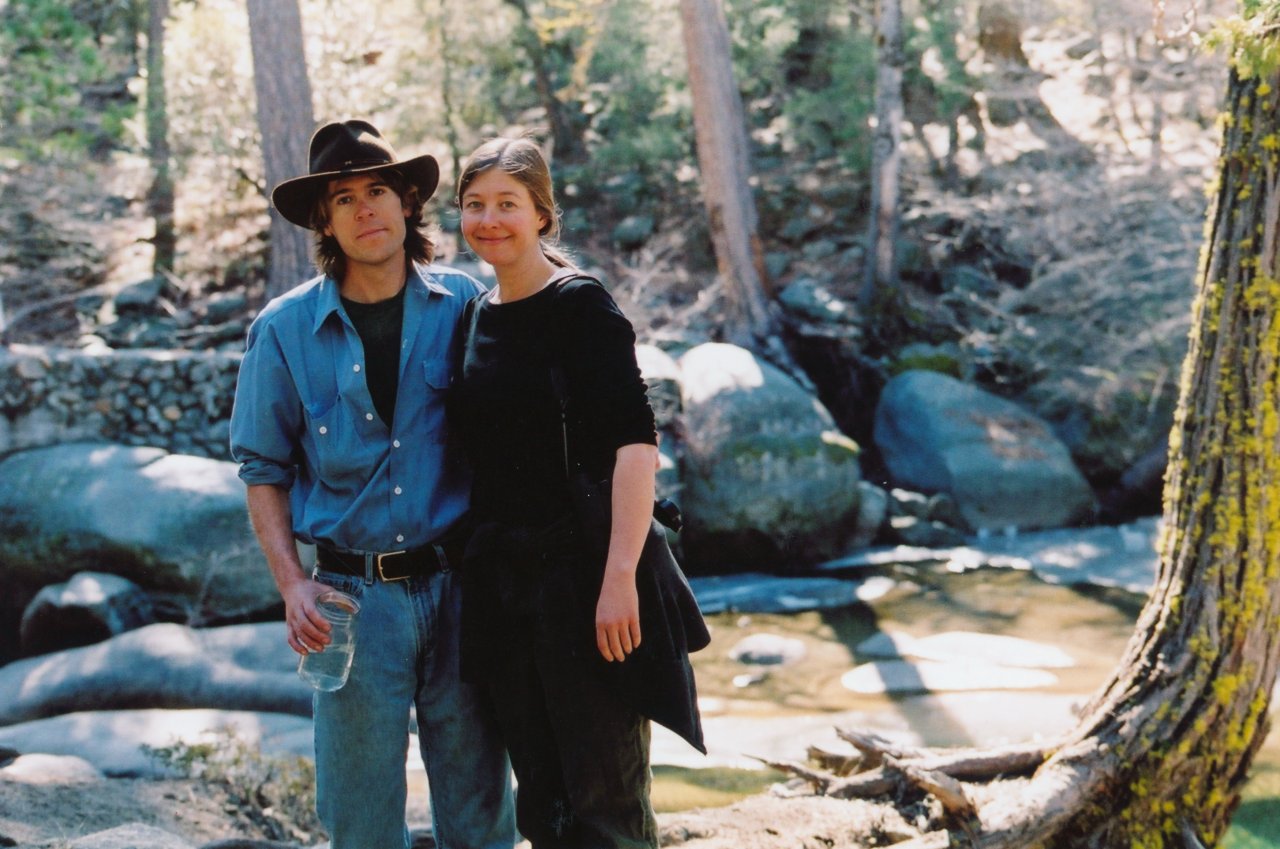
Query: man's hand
{"points": [[308, 630], [618, 617]]}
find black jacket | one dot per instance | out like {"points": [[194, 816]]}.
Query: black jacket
{"points": [[542, 586]]}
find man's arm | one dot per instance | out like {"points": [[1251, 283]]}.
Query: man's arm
{"points": [[272, 520]]}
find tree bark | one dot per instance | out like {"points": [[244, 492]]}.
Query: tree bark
{"points": [[566, 133], [881, 280], [1162, 750], [723, 158], [160, 197], [1186, 712], [285, 121]]}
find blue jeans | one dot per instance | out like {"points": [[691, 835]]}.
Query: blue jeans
{"points": [[407, 654]]}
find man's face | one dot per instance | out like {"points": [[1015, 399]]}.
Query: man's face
{"points": [[367, 218]]}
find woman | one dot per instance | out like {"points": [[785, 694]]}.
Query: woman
{"points": [[546, 614]]}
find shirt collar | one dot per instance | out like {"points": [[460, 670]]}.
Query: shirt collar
{"points": [[420, 280]]}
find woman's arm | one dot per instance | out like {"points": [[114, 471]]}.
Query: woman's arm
{"points": [[618, 609]]}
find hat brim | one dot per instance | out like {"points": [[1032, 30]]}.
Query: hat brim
{"points": [[294, 199]]}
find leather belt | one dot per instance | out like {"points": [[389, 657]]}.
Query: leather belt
{"points": [[391, 565]]}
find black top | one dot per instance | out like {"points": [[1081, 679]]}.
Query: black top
{"points": [[379, 325], [505, 408]]}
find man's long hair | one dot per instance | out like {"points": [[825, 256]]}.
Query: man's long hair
{"points": [[418, 246]]}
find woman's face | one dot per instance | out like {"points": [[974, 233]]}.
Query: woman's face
{"points": [[500, 221]]}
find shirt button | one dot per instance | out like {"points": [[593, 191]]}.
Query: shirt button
{"points": [[368, 416], [398, 490], [395, 443], [323, 430], [356, 367], [399, 537]]}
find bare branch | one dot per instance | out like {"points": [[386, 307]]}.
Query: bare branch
{"points": [[820, 781], [946, 789]]}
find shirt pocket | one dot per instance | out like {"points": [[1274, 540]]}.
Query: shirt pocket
{"points": [[338, 447], [436, 377]]}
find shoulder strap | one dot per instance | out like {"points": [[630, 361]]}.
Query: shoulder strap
{"points": [[559, 383], [466, 329]]}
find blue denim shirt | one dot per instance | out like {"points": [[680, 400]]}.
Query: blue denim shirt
{"points": [[304, 420]]}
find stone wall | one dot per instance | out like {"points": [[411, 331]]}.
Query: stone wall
{"points": [[171, 399]]}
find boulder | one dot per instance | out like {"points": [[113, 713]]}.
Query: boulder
{"points": [[1003, 466], [50, 769], [873, 510], [132, 835], [174, 524], [770, 482], [661, 375], [239, 667], [89, 608], [118, 743]]}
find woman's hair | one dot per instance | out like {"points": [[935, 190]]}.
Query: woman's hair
{"points": [[418, 246], [523, 160]]}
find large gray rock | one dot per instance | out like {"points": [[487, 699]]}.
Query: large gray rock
{"points": [[239, 667], [770, 482], [89, 608], [50, 769], [1001, 464], [118, 742], [133, 835], [174, 524]]}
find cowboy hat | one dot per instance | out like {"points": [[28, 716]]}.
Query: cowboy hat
{"points": [[342, 150]]}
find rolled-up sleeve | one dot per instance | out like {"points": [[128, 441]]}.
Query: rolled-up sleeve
{"points": [[267, 414]]}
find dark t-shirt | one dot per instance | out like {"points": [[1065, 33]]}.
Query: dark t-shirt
{"points": [[506, 411], [379, 325]]}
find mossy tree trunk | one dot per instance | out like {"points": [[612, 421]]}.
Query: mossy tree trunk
{"points": [[1163, 749], [1185, 714]]}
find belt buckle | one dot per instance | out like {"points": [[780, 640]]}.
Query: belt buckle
{"points": [[381, 574]]}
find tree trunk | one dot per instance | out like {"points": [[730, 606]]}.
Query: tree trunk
{"points": [[567, 135], [881, 281], [285, 121], [720, 130], [1187, 710], [160, 199], [1163, 749]]}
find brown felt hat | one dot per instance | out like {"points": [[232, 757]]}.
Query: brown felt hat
{"points": [[342, 150]]}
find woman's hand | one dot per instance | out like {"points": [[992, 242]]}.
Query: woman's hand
{"points": [[618, 617]]}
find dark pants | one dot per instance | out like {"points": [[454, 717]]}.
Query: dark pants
{"points": [[580, 756]]}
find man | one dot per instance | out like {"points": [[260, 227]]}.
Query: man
{"points": [[339, 428]]}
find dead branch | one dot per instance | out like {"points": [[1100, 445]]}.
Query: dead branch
{"points": [[820, 781], [837, 763], [943, 787], [865, 785], [932, 840], [875, 748], [985, 764]]}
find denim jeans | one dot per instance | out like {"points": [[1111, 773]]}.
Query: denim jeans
{"points": [[407, 654]]}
